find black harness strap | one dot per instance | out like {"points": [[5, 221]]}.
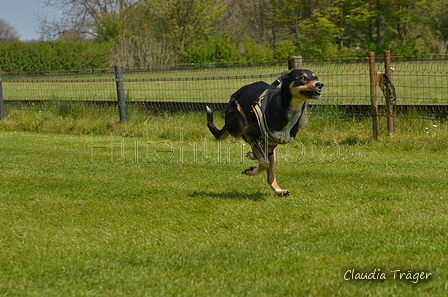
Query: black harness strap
{"points": [[259, 107], [269, 91]]}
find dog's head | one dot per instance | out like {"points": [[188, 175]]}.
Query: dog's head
{"points": [[302, 84]]}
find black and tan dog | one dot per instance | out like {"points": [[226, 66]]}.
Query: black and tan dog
{"points": [[266, 116]]}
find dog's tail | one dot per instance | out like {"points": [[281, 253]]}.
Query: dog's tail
{"points": [[219, 134]]}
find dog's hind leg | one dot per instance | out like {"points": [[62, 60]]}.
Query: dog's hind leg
{"points": [[260, 152], [219, 134], [242, 121], [271, 176]]}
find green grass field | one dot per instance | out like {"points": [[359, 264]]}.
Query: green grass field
{"points": [[155, 207]]}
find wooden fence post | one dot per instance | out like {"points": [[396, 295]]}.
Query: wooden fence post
{"points": [[295, 62], [2, 106], [373, 100], [389, 104], [120, 93]]}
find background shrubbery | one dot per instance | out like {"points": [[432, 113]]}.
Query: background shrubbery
{"points": [[52, 55]]}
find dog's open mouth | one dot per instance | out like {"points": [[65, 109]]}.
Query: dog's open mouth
{"points": [[311, 94]]}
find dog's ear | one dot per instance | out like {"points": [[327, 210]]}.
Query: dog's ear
{"points": [[286, 75], [290, 76]]}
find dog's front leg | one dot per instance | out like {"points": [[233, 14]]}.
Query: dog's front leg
{"points": [[271, 176]]}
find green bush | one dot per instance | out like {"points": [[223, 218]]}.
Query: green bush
{"points": [[256, 52]]}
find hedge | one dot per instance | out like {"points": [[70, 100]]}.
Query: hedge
{"points": [[53, 55]]}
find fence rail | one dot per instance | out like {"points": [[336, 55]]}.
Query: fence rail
{"points": [[421, 84]]}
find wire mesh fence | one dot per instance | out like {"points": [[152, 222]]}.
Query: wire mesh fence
{"points": [[421, 84], [346, 79]]}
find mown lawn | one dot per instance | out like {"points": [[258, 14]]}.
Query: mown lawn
{"points": [[170, 214]]}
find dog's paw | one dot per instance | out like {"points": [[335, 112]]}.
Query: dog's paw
{"points": [[249, 171], [282, 193]]}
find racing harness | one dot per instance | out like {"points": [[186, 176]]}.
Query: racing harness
{"points": [[259, 107]]}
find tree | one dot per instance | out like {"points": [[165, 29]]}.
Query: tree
{"points": [[433, 16], [256, 14], [102, 20], [184, 21], [380, 23], [288, 15], [8, 33]]}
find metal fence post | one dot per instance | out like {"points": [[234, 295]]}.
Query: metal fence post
{"points": [[389, 104], [373, 100], [2, 106], [120, 93], [295, 62]]}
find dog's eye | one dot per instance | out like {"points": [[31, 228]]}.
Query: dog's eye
{"points": [[304, 78]]}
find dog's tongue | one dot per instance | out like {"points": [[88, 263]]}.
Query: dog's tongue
{"points": [[315, 95]]}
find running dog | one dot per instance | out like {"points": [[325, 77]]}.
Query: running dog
{"points": [[267, 115]]}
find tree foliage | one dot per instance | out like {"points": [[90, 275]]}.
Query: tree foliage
{"points": [[141, 32], [318, 27]]}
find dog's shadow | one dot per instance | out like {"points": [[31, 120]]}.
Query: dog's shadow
{"points": [[257, 196]]}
